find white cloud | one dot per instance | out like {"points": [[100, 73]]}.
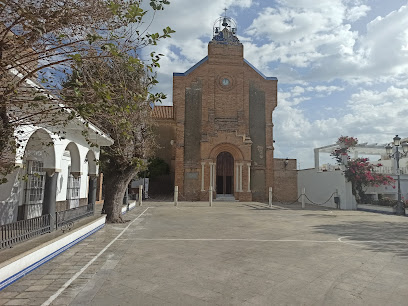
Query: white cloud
{"points": [[371, 116], [328, 90], [356, 12], [306, 33], [297, 90]]}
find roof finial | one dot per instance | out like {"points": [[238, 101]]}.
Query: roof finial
{"points": [[225, 12]]}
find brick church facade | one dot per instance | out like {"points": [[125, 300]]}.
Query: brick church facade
{"points": [[219, 131]]}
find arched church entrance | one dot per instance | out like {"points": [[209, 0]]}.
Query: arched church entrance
{"points": [[225, 173]]}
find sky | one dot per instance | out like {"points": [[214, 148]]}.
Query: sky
{"points": [[342, 65]]}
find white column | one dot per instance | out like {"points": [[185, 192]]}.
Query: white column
{"points": [[237, 177], [211, 174], [240, 177], [202, 176], [249, 177], [214, 175]]}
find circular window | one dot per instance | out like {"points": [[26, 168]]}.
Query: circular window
{"points": [[225, 81]]}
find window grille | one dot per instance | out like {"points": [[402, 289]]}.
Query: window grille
{"points": [[34, 192], [73, 189]]}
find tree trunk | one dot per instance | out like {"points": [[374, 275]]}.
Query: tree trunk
{"points": [[115, 185]]}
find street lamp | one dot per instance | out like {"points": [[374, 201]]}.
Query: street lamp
{"points": [[400, 211]]}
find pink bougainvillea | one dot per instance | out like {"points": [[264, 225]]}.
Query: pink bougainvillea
{"points": [[347, 141], [360, 172]]}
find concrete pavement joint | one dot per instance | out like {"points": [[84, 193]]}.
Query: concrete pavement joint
{"points": [[230, 239], [62, 289], [371, 241], [339, 240]]}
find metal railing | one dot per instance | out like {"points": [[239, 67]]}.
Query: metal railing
{"points": [[23, 230], [71, 215], [390, 170]]}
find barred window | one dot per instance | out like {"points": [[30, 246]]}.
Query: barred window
{"points": [[73, 189], [34, 191]]}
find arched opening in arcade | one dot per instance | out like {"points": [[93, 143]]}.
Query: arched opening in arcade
{"points": [[72, 171], [39, 155]]}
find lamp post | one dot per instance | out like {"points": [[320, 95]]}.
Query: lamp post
{"points": [[400, 211]]}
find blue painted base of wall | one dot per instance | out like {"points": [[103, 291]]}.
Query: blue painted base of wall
{"points": [[42, 261]]}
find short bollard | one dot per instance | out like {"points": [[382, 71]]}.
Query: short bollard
{"points": [[303, 197], [175, 195], [270, 196], [140, 194], [210, 195], [337, 199]]}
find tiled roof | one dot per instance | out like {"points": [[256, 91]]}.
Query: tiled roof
{"points": [[163, 112]]}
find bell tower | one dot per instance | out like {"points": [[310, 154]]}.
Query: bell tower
{"points": [[225, 45]]}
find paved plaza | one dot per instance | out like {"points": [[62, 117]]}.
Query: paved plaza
{"points": [[228, 254]]}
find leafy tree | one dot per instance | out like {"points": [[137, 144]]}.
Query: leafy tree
{"points": [[39, 40], [360, 172], [114, 94]]}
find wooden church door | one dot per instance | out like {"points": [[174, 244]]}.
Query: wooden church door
{"points": [[225, 173]]}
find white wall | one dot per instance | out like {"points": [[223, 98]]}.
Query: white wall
{"points": [[389, 191], [63, 179], [83, 193], [321, 185]]}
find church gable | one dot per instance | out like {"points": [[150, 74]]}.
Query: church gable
{"points": [[224, 102]]}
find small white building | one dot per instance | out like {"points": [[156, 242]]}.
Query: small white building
{"points": [[54, 171]]}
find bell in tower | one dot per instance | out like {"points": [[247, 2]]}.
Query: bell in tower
{"points": [[224, 31]]}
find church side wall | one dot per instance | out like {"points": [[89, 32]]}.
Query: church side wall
{"points": [[286, 180], [165, 132]]}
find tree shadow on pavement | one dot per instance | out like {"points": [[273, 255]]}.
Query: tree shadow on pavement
{"points": [[374, 236]]}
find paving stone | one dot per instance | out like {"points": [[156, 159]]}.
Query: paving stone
{"points": [[18, 302], [3, 301], [37, 288], [5, 294]]}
